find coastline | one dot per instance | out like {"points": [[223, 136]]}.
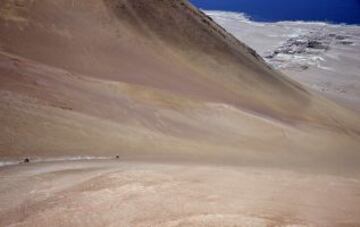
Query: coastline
{"points": [[319, 55]]}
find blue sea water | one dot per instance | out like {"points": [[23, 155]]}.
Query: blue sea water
{"points": [[332, 11]]}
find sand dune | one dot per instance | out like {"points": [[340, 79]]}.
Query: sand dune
{"points": [[156, 81], [86, 66]]}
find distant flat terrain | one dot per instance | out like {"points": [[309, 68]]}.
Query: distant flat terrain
{"points": [[324, 57]]}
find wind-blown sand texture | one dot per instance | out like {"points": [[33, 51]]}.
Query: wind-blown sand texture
{"points": [[167, 89]]}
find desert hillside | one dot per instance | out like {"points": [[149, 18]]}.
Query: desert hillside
{"points": [[152, 78], [199, 129]]}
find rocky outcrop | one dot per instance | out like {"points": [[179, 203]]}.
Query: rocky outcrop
{"points": [[304, 51]]}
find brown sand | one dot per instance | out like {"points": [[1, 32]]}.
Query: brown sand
{"points": [[159, 81], [112, 193]]}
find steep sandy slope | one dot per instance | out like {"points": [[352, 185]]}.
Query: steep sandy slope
{"points": [[206, 133], [153, 78]]}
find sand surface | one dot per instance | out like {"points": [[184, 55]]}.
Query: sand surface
{"points": [[207, 133], [123, 193]]}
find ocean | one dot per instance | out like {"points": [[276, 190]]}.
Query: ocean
{"points": [[331, 11]]}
